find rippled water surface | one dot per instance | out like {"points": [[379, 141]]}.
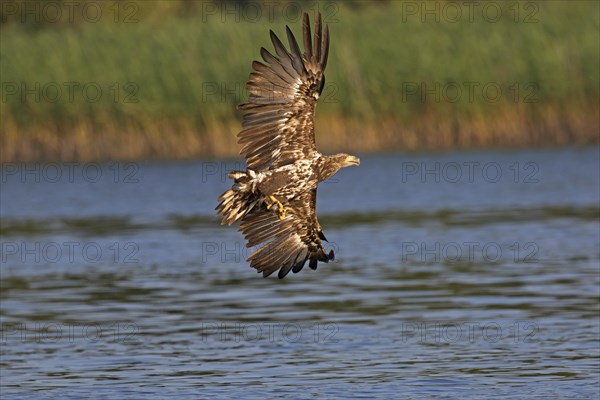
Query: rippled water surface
{"points": [[456, 275]]}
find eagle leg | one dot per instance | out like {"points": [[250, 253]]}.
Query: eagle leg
{"points": [[280, 208]]}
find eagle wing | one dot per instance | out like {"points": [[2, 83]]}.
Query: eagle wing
{"points": [[279, 122], [289, 243]]}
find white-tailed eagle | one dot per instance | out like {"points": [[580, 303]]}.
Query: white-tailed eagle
{"points": [[275, 198]]}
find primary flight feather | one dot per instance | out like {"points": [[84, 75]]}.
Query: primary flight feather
{"points": [[275, 198]]}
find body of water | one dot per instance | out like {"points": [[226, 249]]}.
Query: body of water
{"points": [[471, 274]]}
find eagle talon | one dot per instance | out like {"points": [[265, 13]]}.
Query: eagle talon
{"points": [[280, 208]]}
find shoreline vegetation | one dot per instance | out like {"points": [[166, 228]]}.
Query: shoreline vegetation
{"points": [[161, 79]]}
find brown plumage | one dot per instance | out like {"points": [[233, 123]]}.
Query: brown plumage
{"points": [[275, 198]]}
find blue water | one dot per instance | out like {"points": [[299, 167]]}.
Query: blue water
{"points": [[465, 274]]}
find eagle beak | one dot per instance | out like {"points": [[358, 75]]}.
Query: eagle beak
{"points": [[351, 160]]}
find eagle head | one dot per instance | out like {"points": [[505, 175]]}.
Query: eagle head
{"points": [[346, 160], [329, 165]]}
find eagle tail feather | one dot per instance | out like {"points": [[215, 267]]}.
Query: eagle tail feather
{"points": [[238, 201]]}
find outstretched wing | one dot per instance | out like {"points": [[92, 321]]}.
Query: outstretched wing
{"points": [[279, 123], [287, 244]]}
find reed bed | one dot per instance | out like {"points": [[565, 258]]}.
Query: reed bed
{"points": [[166, 83]]}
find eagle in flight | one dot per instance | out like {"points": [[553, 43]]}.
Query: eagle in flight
{"points": [[275, 198]]}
